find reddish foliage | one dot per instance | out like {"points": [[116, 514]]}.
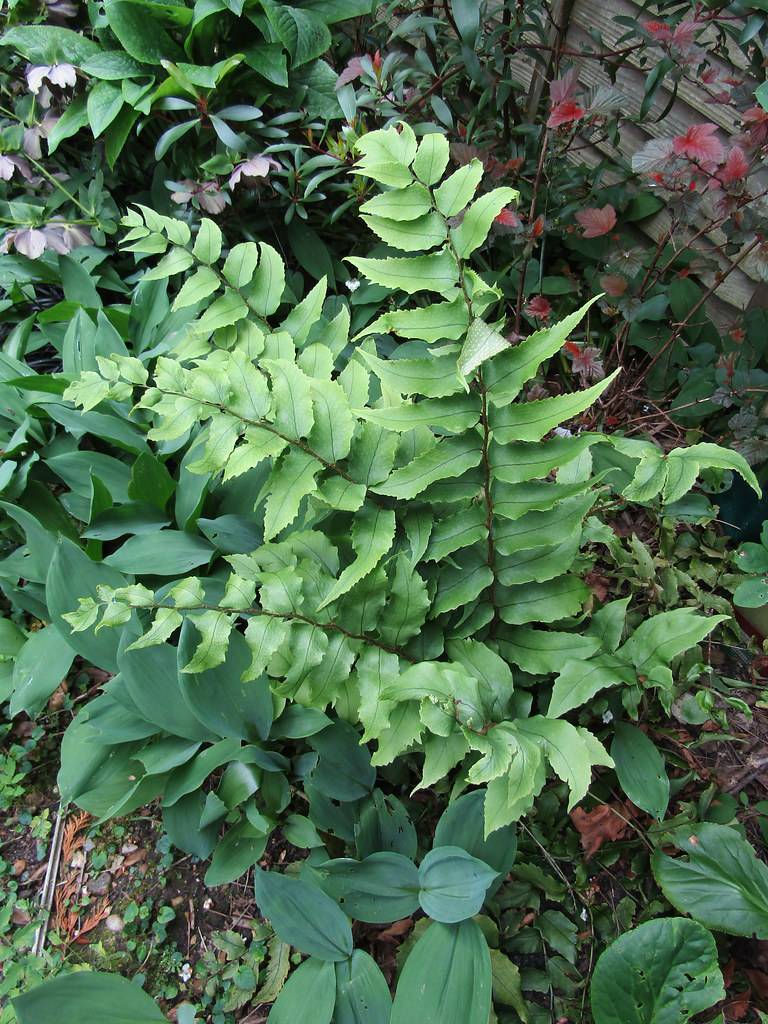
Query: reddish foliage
{"points": [[537, 228], [508, 218], [614, 285], [563, 88], [735, 168], [699, 144], [597, 221], [539, 308], [565, 113]]}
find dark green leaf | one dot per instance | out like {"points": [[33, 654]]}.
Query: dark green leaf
{"points": [[303, 916], [664, 970]]}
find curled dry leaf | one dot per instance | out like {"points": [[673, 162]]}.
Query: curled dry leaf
{"points": [[605, 824]]}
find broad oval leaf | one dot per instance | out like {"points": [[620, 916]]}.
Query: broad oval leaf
{"points": [[381, 888], [462, 824], [661, 972], [640, 769], [308, 995], [165, 553], [362, 994], [217, 696], [73, 575], [453, 884], [303, 916]]}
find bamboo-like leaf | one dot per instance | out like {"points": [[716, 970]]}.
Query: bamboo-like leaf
{"points": [[530, 421], [437, 272], [450, 458], [373, 531]]}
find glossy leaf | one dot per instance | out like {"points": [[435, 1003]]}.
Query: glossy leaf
{"points": [[661, 972], [640, 769], [719, 880]]}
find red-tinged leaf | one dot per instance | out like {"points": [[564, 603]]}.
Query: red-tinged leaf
{"points": [[699, 144], [508, 218], [658, 30], [563, 88], [685, 34], [735, 168], [565, 113], [539, 308], [588, 364], [597, 221], [352, 71], [614, 285], [654, 155]]}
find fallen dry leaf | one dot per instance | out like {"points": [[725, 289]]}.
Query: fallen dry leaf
{"points": [[395, 930], [20, 916], [603, 825], [737, 1006], [134, 858], [759, 982]]}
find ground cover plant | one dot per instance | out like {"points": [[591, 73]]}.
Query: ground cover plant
{"points": [[381, 657], [401, 561]]}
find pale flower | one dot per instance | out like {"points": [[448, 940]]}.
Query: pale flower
{"points": [[61, 75], [27, 241], [252, 169]]}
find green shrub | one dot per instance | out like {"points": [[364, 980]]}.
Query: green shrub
{"points": [[334, 542]]}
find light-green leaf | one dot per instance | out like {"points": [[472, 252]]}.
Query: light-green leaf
{"points": [[506, 375], [207, 247], [433, 378], [268, 282], [199, 286], [436, 272], [240, 264], [482, 343], [292, 398], [457, 190], [450, 458], [436, 322], [530, 421], [431, 158], [542, 602], [401, 204], [292, 479], [409, 235], [373, 531], [477, 221], [579, 681]]}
